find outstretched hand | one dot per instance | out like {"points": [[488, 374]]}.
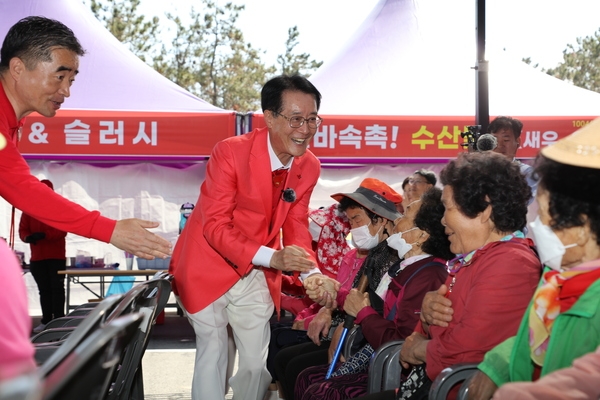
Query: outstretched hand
{"points": [[132, 236], [292, 258]]}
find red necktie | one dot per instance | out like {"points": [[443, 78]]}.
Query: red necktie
{"points": [[279, 177]]}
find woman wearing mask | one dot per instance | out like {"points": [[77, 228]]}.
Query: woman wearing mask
{"points": [[424, 248], [562, 321], [371, 211]]}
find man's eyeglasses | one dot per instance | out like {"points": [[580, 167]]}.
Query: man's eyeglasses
{"points": [[415, 181], [297, 121]]}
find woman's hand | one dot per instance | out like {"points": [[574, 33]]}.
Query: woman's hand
{"points": [[319, 326], [436, 308], [414, 350], [356, 301], [481, 387]]}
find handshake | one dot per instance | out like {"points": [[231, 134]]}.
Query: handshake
{"points": [[34, 237], [322, 290]]}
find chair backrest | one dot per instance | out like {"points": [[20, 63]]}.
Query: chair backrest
{"points": [[75, 320], [354, 334], [463, 392], [127, 382], [380, 364], [450, 377], [392, 369], [85, 373], [22, 387], [88, 325], [80, 312]]}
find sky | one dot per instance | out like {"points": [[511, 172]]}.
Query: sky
{"points": [[540, 29]]}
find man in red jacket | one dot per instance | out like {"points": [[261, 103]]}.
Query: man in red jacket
{"points": [[250, 223], [47, 246], [39, 60]]}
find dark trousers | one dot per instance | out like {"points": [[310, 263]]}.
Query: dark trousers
{"points": [[51, 287], [290, 361]]}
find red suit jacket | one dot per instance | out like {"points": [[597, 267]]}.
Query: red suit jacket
{"points": [[234, 218]]}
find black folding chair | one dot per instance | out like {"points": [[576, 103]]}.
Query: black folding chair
{"points": [[385, 368], [450, 377], [127, 382], [85, 373], [53, 345]]}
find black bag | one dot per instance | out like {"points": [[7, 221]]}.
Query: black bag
{"points": [[415, 386]]}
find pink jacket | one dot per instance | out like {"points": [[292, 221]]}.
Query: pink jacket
{"points": [[16, 350]]}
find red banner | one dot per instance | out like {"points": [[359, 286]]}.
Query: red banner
{"points": [[391, 138], [114, 135]]}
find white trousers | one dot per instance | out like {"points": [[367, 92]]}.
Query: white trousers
{"points": [[247, 308]]}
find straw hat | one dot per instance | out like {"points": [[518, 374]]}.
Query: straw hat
{"points": [[580, 149], [375, 196]]}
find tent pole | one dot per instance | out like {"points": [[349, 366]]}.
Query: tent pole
{"points": [[482, 100]]}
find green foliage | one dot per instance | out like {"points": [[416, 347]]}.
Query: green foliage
{"points": [[528, 61], [211, 59], [121, 19], [581, 63], [291, 63], [208, 56]]}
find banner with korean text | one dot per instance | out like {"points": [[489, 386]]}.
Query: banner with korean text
{"points": [[393, 138], [114, 135]]}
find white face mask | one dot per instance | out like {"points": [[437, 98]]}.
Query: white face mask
{"points": [[549, 247], [362, 238], [397, 242]]}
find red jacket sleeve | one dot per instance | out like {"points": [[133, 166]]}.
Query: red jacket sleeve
{"points": [[28, 194], [489, 299]]}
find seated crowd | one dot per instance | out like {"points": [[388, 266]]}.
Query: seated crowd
{"points": [[490, 309]]}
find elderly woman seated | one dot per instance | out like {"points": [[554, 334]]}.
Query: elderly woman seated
{"points": [[371, 211], [490, 281], [562, 321], [420, 241]]}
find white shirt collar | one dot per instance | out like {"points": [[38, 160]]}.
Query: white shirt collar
{"points": [[412, 260], [275, 162]]}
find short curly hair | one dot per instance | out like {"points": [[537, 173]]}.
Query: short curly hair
{"points": [[429, 219], [573, 194], [486, 178]]}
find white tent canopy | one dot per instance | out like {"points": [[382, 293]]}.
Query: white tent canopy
{"points": [[416, 57]]}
